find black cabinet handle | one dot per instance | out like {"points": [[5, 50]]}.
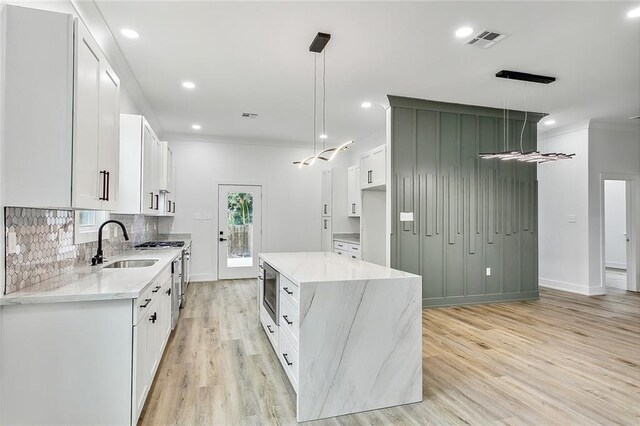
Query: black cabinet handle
{"points": [[169, 209], [155, 290], [286, 319], [325, 209], [174, 206], [157, 201], [151, 206], [223, 239], [153, 318], [103, 174], [168, 292], [286, 290], [287, 359], [270, 330], [325, 224], [106, 194], [353, 257], [146, 303], [353, 208]]}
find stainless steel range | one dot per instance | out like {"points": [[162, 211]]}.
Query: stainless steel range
{"points": [[185, 275]]}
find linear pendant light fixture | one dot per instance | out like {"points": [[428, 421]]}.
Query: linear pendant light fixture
{"points": [[531, 156], [325, 154]]}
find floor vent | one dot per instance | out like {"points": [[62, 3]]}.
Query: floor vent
{"points": [[486, 39], [249, 115]]}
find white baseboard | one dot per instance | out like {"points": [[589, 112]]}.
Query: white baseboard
{"points": [[203, 277], [570, 287], [616, 265]]}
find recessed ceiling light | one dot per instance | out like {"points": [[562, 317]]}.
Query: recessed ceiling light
{"points": [[196, 127], [323, 136], [129, 33], [366, 105], [634, 13], [464, 32], [549, 122], [188, 85]]}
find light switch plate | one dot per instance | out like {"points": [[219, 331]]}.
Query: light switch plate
{"points": [[406, 216], [572, 218], [488, 271]]}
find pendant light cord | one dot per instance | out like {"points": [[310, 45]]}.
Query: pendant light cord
{"points": [[324, 98], [525, 116], [315, 72]]}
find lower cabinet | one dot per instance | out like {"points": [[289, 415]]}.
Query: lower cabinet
{"points": [[82, 362], [347, 249]]}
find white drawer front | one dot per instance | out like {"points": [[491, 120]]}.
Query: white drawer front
{"points": [[289, 319], [354, 248], [270, 328], [340, 245], [288, 355], [353, 255], [289, 290], [340, 252]]}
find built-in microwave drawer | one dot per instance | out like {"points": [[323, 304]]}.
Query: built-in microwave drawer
{"points": [[289, 290]]}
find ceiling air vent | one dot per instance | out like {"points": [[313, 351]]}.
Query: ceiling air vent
{"points": [[249, 115], [486, 39]]}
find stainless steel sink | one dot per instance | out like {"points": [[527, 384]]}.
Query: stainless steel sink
{"points": [[133, 263]]}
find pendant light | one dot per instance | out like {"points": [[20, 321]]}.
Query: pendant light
{"points": [[530, 156], [324, 154]]}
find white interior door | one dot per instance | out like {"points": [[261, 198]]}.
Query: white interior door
{"points": [[239, 230]]}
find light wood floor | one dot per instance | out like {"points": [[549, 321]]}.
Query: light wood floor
{"points": [[565, 359]]}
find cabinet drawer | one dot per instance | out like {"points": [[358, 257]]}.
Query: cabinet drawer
{"points": [[353, 255], [288, 354], [289, 290], [340, 245], [270, 328], [289, 318], [340, 252], [354, 248], [150, 294]]}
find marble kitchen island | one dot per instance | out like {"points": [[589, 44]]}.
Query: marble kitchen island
{"points": [[348, 332]]}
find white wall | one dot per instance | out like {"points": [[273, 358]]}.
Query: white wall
{"points": [[571, 254], [563, 190], [615, 224], [291, 197]]}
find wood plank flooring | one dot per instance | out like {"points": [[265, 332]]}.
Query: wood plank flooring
{"points": [[565, 359]]}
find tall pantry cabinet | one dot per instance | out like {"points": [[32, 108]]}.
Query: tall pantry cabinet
{"points": [[61, 113]]}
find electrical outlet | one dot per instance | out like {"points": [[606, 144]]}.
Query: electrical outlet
{"points": [[488, 271]]}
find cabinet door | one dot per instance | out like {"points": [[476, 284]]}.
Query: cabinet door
{"points": [[326, 193], [148, 171], [165, 317], [140, 368], [365, 170], [109, 142], [379, 166], [87, 185], [357, 191], [326, 234]]}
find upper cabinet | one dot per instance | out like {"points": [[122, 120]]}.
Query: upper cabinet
{"points": [[61, 114], [354, 198], [167, 181], [373, 169]]}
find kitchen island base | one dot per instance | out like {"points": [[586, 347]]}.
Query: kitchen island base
{"points": [[351, 340]]}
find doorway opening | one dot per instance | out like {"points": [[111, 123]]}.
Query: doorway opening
{"points": [[616, 242], [239, 230]]}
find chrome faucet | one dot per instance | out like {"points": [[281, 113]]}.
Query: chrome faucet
{"points": [[98, 258]]}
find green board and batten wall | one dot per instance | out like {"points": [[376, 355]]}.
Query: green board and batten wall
{"points": [[469, 213]]}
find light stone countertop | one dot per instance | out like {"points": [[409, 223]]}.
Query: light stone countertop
{"points": [[311, 267], [89, 283], [350, 238]]}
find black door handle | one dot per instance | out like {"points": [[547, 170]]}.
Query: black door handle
{"points": [[146, 303], [286, 319], [153, 317], [286, 290], [287, 359], [353, 208], [174, 206], [168, 292], [151, 206], [223, 239], [270, 330], [157, 201], [103, 173], [155, 290], [106, 193]]}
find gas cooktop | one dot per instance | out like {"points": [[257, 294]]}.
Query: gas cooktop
{"points": [[160, 244]]}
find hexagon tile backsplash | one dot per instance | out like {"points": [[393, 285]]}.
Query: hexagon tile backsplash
{"points": [[45, 243]]}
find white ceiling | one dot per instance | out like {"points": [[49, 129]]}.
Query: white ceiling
{"points": [[253, 57]]}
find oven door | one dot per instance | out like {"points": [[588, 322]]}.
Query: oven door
{"points": [[271, 291]]}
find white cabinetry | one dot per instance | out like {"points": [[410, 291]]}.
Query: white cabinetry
{"points": [[326, 234], [61, 111], [373, 168], [142, 168], [351, 250], [354, 199], [167, 181], [326, 193]]}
